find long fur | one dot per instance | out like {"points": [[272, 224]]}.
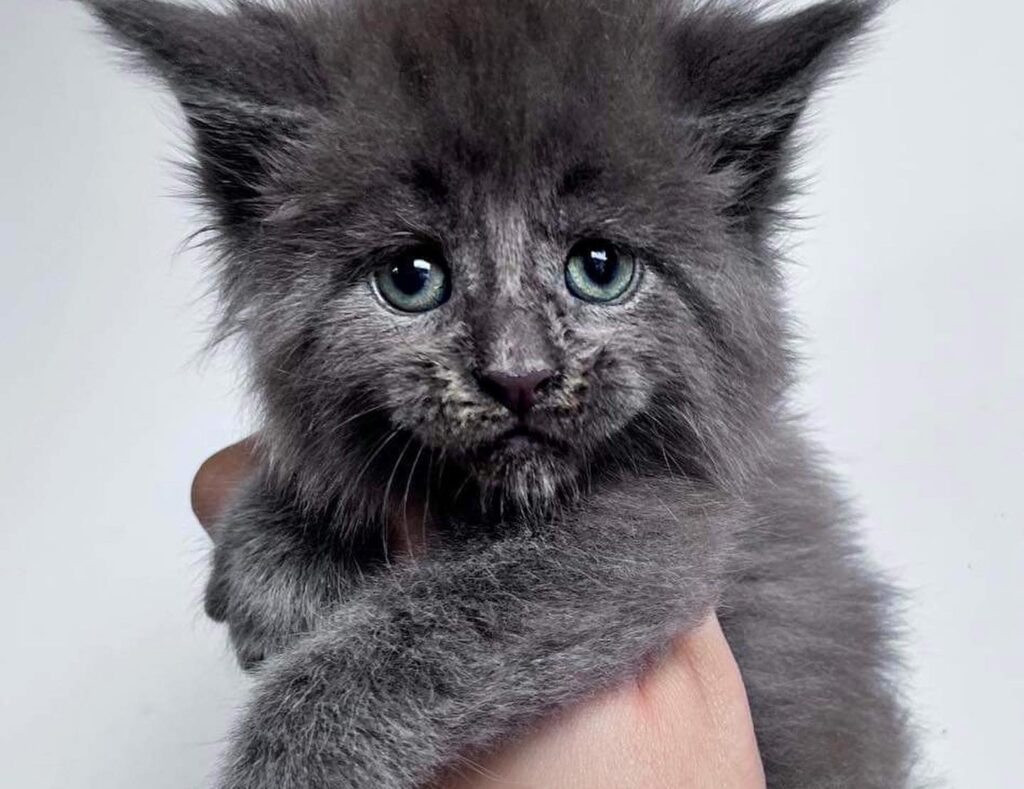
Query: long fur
{"points": [[331, 137]]}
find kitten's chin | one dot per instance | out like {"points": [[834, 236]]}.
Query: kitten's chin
{"points": [[525, 471]]}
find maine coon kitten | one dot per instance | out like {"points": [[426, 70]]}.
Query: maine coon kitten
{"points": [[505, 272]]}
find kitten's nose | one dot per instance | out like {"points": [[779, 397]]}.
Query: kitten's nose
{"points": [[518, 393]]}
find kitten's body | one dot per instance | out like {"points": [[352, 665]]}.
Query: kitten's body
{"points": [[659, 472]]}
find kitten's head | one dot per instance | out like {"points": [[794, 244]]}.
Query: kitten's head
{"points": [[528, 238]]}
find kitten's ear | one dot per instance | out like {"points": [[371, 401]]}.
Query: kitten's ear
{"points": [[747, 80], [248, 79]]}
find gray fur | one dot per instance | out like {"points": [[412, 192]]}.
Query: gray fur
{"points": [[329, 136]]}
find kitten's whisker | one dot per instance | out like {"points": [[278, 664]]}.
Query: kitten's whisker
{"points": [[380, 447], [426, 504], [462, 488], [360, 415], [385, 509], [405, 499]]}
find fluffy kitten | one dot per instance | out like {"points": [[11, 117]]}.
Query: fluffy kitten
{"points": [[505, 272]]}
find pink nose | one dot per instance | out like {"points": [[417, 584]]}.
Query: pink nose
{"points": [[518, 393]]}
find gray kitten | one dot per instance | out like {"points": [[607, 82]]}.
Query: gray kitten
{"points": [[505, 272]]}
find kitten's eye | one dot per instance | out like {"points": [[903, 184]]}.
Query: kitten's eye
{"points": [[599, 272], [416, 281]]}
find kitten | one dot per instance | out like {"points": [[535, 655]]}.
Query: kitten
{"points": [[505, 273]]}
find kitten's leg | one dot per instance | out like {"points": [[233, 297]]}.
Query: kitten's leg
{"points": [[477, 642], [274, 574]]}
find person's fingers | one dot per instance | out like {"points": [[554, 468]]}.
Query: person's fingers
{"points": [[685, 725], [219, 477]]}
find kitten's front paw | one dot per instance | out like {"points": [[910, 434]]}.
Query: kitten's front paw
{"points": [[269, 583], [324, 716], [259, 624]]}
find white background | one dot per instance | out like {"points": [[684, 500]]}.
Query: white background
{"points": [[908, 280]]}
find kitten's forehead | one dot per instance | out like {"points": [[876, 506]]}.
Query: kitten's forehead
{"points": [[497, 86]]}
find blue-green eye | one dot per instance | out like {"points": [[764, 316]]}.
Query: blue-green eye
{"points": [[416, 281], [599, 272]]}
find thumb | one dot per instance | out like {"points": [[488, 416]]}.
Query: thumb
{"points": [[219, 478]]}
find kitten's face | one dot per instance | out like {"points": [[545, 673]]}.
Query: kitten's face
{"points": [[507, 338], [508, 288], [536, 351], [523, 241]]}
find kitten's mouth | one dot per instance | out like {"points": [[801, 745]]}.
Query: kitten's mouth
{"points": [[526, 462], [523, 439]]}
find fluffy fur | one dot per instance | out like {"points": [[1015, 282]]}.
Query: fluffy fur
{"points": [[665, 474]]}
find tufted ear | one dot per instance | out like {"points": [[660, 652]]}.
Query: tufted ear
{"points": [[248, 79], [746, 80]]}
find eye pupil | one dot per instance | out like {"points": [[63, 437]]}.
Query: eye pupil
{"points": [[602, 266], [410, 277]]}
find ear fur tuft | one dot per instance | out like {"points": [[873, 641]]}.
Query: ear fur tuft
{"points": [[247, 77], [747, 80]]}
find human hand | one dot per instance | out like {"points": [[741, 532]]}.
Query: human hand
{"points": [[685, 724]]}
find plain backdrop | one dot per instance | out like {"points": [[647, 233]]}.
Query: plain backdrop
{"points": [[907, 279]]}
